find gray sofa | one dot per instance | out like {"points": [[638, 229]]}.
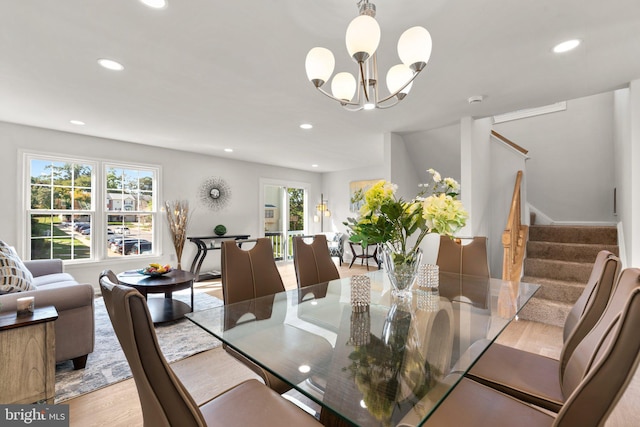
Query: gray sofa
{"points": [[74, 303]]}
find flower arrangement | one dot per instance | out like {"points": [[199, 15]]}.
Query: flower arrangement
{"points": [[390, 221], [387, 219]]}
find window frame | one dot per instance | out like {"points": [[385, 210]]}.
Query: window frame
{"points": [[98, 211]]}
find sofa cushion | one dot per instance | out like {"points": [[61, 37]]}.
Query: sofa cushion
{"points": [[14, 276], [48, 279]]}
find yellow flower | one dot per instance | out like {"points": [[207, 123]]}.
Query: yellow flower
{"points": [[444, 214], [379, 193]]}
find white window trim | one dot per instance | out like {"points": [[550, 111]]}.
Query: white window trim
{"points": [[98, 241]]}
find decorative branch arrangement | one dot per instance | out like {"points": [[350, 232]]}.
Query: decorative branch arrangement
{"points": [[178, 218]]}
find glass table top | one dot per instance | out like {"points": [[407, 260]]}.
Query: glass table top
{"points": [[388, 365]]}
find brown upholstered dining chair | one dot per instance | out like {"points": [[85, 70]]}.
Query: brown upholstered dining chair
{"points": [[312, 261], [164, 399], [470, 259], [540, 380], [249, 273], [592, 384]]}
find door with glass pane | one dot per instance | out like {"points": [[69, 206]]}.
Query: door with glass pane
{"points": [[284, 214]]}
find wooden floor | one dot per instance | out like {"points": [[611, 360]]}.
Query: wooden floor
{"points": [[209, 373]]}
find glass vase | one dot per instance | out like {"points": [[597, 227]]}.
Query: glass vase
{"points": [[402, 270]]}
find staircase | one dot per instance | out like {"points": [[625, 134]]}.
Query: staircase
{"points": [[560, 259]]}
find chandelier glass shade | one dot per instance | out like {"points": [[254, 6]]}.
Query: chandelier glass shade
{"points": [[362, 39]]}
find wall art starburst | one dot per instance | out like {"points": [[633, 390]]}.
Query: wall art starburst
{"points": [[215, 193]]}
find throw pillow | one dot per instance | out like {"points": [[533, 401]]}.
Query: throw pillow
{"points": [[14, 276]]}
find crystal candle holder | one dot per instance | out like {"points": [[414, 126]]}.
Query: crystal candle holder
{"points": [[428, 276], [429, 299], [360, 331], [360, 293]]}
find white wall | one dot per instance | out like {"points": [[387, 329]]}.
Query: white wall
{"points": [[475, 180], [182, 175], [627, 172], [402, 172], [438, 149], [571, 171], [634, 221]]}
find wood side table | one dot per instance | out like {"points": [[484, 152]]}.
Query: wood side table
{"points": [[162, 309], [28, 355], [364, 255]]}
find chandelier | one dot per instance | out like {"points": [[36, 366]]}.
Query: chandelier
{"points": [[362, 39]]}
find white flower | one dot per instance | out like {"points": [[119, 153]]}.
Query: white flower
{"points": [[436, 174], [452, 184]]}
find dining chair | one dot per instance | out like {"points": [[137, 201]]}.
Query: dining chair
{"points": [[312, 261], [470, 259], [249, 273], [592, 385], [164, 399], [540, 380]]}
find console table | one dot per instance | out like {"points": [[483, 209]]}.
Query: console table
{"points": [[28, 355], [205, 244]]}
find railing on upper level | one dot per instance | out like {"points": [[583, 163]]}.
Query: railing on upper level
{"points": [[514, 237], [510, 143], [278, 243]]}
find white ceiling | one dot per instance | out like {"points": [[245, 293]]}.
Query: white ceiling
{"points": [[204, 75]]}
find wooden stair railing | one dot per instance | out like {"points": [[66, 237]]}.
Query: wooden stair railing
{"points": [[514, 237]]}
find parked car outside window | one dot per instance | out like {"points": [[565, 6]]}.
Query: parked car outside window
{"points": [[122, 230], [142, 247]]}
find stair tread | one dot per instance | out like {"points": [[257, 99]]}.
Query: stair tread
{"points": [[550, 281], [559, 261]]}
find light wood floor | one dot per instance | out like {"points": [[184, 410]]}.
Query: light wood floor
{"points": [[209, 373]]}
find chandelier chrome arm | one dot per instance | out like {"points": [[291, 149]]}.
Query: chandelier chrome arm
{"points": [[398, 95]]}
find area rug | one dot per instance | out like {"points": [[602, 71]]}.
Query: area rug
{"points": [[107, 364]]}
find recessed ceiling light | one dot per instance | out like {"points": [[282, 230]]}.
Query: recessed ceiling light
{"points": [[77, 122], [306, 126], [314, 166], [156, 4], [566, 46], [228, 150], [110, 64]]}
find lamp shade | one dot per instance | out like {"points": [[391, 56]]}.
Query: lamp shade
{"points": [[414, 47], [343, 86], [319, 65], [398, 76], [363, 37]]}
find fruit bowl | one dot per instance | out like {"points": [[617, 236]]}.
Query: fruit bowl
{"points": [[155, 270]]}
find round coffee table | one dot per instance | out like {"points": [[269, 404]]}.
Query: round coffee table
{"points": [[162, 309]]}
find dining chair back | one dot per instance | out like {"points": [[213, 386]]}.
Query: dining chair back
{"points": [[469, 259], [312, 261], [591, 304], [164, 399], [610, 369], [249, 273]]}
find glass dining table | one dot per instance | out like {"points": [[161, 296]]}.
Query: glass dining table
{"points": [[388, 365]]}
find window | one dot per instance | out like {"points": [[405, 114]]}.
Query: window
{"points": [[130, 209], [64, 219], [61, 195]]}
